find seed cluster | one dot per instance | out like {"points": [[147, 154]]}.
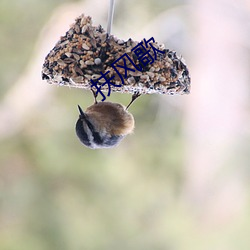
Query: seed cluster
{"points": [[87, 51]]}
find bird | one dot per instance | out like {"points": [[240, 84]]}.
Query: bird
{"points": [[104, 124]]}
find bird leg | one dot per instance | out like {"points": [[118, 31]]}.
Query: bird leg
{"points": [[134, 97], [95, 95]]}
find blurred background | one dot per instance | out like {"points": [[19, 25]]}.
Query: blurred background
{"points": [[180, 182]]}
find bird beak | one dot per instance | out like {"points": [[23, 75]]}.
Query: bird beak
{"points": [[82, 115]]}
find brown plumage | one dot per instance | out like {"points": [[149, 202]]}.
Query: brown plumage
{"points": [[110, 117]]}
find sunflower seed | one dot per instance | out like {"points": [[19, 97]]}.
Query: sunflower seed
{"points": [[88, 62], [85, 46]]}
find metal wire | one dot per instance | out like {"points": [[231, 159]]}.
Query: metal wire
{"points": [[110, 15]]}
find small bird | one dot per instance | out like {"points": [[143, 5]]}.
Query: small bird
{"points": [[104, 124]]}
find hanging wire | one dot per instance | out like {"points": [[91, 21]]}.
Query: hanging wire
{"points": [[110, 16]]}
